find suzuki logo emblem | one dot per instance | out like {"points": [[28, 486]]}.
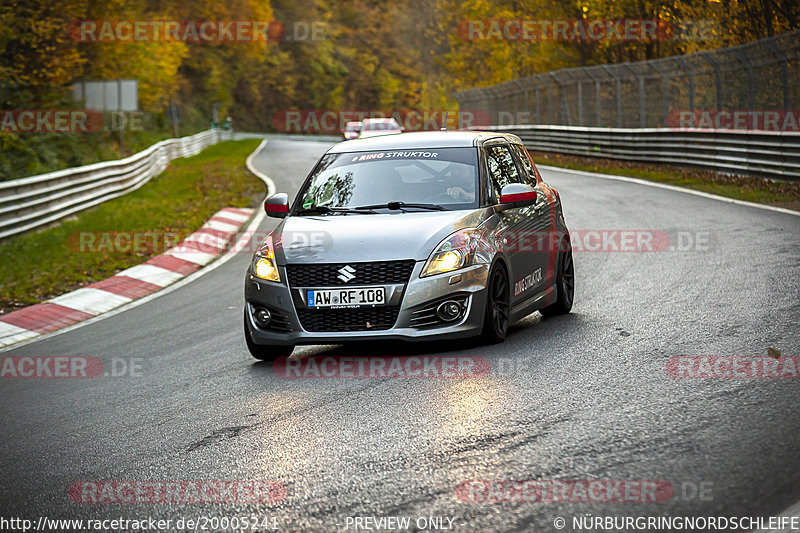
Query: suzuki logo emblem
{"points": [[346, 273]]}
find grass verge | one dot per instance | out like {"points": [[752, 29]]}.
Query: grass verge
{"points": [[40, 265], [750, 189]]}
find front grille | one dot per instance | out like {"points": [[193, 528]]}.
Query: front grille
{"points": [[356, 319], [327, 274]]}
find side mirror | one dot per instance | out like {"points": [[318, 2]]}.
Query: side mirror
{"points": [[517, 195], [277, 205]]}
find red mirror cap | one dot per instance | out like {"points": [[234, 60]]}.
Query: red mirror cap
{"points": [[518, 197], [276, 208]]}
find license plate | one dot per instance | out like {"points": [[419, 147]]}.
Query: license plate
{"points": [[350, 297]]}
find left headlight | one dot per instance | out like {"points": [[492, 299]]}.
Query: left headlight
{"points": [[457, 251], [264, 266]]}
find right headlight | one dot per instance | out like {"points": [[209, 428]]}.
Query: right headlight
{"points": [[455, 252], [264, 265]]}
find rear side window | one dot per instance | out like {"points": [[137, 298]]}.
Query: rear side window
{"points": [[502, 169], [529, 175]]}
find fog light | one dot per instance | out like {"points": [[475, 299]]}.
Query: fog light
{"points": [[262, 317], [449, 310]]}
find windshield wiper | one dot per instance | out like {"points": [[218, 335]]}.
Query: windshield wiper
{"points": [[393, 206], [325, 210]]}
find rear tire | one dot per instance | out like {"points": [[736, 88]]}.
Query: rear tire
{"points": [[264, 352], [498, 306], [565, 286]]}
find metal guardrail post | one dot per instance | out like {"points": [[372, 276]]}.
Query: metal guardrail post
{"points": [[717, 77], [565, 105], [784, 61], [749, 69], [664, 88], [613, 74], [597, 96], [525, 95], [538, 102], [640, 78], [690, 74]]}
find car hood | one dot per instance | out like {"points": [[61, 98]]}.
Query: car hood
{"points": [[353, 238]]}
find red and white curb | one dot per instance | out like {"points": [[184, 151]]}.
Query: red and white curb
{"points": [[194, 252]]}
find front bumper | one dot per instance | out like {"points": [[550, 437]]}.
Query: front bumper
{"points": [[470, 282]]}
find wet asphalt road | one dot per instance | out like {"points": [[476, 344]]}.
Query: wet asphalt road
{"points": [[585, 396]]}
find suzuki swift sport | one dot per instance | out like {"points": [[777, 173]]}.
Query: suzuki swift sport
{"points": [[416, 236]]}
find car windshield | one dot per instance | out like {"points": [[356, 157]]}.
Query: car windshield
{"points": [[446, 177]]}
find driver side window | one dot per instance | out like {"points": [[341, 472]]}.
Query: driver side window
{"points": [[525, 164], [502, 169]]}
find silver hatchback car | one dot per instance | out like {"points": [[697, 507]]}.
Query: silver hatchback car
{"points": [[417, 236]]}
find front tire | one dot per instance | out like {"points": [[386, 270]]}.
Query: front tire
{"points": [[565, 286], [498, 306], [264, 352]]}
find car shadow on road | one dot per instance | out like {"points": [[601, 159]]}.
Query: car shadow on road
{"points": [[520, 333]]}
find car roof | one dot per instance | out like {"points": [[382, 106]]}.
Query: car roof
{"points": [[420, 139]]}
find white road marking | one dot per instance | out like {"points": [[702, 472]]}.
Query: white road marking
{"points": [[10, 334], [152, 274], [193, 256], [206, 239], [222, 226], [92, 301], [233, 215]]}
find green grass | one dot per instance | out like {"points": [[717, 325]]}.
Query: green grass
{"points": [[43, 264], [740, 188]]}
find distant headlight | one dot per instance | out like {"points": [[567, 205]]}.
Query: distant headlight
{"points": [[455, 252], [264, 266]]}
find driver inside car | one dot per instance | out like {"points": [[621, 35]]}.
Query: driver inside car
{"points": [[461, 183]]}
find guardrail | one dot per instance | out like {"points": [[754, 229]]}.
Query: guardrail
{"points": [[768, 154], [33, 202]]}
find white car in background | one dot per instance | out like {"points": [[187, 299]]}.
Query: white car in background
{"points": [[372, 127]]}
